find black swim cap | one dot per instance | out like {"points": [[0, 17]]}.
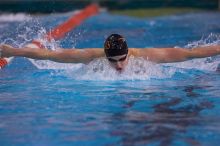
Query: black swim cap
{"points": [[115, 45]]}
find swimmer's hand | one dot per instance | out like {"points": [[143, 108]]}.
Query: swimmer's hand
{"points": [[6, 50]]}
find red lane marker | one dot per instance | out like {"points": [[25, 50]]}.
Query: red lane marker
{"points": [[73, 22], [3, 62]]}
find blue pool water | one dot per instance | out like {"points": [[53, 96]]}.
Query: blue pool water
{"points": [[50, 104]]}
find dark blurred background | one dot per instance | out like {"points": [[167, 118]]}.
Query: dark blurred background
{"points": [[49, 6]]}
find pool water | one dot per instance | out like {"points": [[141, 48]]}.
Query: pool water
{"points": [[43, 103]]}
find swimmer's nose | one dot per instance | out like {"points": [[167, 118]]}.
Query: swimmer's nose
{"points": [[119, 66]]}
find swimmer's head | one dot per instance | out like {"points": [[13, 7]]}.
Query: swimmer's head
{"points": [[115, 45], [116, 51]]}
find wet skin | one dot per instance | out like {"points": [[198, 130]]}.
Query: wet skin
{"points": [[118, 62]]}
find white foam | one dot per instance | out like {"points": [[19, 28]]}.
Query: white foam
{"points": [[137, 69], [14, 17], [100, 69], [204, 64], [46, 64], [212, 39]]}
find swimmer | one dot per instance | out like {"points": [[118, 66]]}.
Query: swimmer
{"points": [[116, 52]]}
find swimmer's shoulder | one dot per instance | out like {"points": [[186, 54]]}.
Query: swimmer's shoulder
{"points": [[137, 52], [96, 52]]}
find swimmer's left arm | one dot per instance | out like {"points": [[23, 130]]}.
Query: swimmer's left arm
{"points": [[76, 55], [205, 51], [168, 55], [59, 55]]}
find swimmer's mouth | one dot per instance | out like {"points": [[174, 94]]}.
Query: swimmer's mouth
{"points": [[119, 69]]}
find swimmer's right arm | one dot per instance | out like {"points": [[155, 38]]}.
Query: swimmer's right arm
{"points": [[169, 55], [60, 55]]}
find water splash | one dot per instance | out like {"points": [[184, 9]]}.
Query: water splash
{"points": [[137, 69], [206, 64], [211, 39], [46, 64], [19, 17], [23, 33]]}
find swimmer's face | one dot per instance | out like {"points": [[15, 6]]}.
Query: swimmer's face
{"points": [[118, 62]]}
